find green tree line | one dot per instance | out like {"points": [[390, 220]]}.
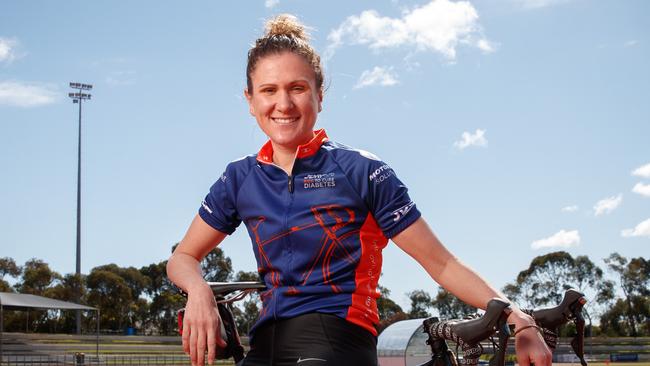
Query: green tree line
{"points": [[144, 298]]}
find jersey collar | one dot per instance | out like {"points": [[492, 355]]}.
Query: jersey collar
{"points": [[265, 155]]}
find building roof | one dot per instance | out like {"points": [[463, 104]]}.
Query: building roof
{"points": [[12, 301]]}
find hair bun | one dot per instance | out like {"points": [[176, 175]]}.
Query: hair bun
{"points": [[287, 25]]}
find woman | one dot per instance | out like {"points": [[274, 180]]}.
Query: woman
{"points": [[318, 214]]}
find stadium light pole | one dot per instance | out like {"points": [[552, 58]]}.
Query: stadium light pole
{"points": [[77, 98]]}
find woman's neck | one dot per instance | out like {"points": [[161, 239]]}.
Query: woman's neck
{"points": [[284, 158]]}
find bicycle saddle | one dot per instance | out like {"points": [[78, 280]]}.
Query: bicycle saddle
{"points": [[224, 288]]}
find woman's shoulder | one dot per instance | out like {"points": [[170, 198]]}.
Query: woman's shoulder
{"points": [[242, 165], [350, 155]]}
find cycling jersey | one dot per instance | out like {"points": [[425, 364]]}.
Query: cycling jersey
{"points": [[318, 233]]}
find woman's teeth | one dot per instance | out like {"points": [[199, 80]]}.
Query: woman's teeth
{"points": [[284, 121]]}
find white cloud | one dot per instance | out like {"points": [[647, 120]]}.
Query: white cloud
{"points": [[561, 239], [607, 205], [536, 4], [642, 229], [572, 208], [642, 171], [7, 49], [377, 76], [438, 26], [485, 45], [271, 3], [20, 94], [468, 139], [631, 43], [642, 189]]}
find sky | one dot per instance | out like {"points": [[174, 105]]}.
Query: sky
{"points": [[521, 127]]}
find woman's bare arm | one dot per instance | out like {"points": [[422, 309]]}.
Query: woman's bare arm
{"points": [[419, 241], [201, 322]]}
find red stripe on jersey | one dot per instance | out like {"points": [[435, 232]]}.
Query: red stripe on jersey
{"points": [[363, 311]]}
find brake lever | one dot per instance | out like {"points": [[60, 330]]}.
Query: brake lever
{"points": [[499, 358], [578, 342]]}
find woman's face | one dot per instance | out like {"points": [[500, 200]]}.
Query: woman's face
{"points": [[284, 100]]}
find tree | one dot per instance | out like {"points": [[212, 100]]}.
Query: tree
{"points": [[389, 311], [633, 278], [116, 291], [616, 320], [386, 307], [8, 267], [513, 292], [450, 307], [166, 300], [217, 266], [132, 277], [65, 290], [246, 314], [109, 292], [544, 281], [588, 278], [420, 302], [36, 277], [5, 286]]}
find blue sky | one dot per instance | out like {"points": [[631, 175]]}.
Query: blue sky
{"points": [[520, 126]]}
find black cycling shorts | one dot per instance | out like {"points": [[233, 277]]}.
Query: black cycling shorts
{"points": [[312, 340]]}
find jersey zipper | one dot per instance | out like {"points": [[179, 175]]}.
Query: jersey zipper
{"points": [[290, 184], [290, 187]]}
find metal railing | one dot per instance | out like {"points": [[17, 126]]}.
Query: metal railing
{"points": [[81, 359]]}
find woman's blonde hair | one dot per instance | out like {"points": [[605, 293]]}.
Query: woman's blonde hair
{"points": [[284, 33]]}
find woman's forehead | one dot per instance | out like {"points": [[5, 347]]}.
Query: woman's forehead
{"points": [[284, 67]]}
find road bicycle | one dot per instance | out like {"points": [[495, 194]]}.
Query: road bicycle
{"points": [[466, 333]]}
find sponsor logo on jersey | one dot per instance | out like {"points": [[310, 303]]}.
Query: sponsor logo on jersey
{"points": [[325, 180], [401, 212], [206, 207], [381, 174]]}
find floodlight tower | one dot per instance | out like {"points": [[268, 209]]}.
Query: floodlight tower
{"points": [[78, 97]]}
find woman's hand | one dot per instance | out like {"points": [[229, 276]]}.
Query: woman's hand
{"points": [[529, 343], [201, 326]]}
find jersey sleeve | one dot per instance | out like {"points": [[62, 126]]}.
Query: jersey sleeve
{"points": [[388, 199], [384, 193], [218, 208]]}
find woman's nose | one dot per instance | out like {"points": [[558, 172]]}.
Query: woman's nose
{"points": [[284, 102]]}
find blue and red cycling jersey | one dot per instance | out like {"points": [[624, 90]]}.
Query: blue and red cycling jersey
{"points": [[318, 233]]}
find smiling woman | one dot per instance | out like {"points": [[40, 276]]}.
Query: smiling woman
{"points": [[318, 243], [284, 81], [285, 101]]}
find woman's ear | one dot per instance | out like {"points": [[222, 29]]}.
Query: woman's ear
{"points": [[249, 98]]}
